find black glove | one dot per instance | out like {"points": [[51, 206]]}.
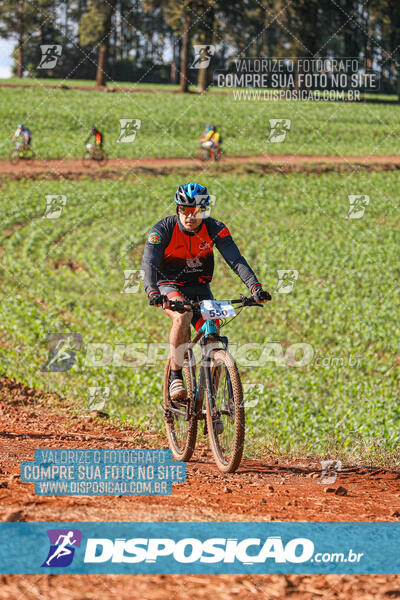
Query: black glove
{"points": [[155, 299], [260, 295]]}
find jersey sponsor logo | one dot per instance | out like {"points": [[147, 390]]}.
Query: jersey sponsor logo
{"points": [[224, 232], [154, 238], [204, 245]]}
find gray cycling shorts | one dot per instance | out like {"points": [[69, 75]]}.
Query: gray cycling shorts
{"points": [[191, 292]]}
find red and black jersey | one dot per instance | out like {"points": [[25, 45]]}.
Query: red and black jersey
{"points": [[175, 256]]}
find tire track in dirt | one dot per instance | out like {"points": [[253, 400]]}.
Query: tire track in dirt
{"points": [[261, 490], [284, 163]]}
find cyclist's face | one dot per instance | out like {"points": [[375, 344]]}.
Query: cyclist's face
{"points": [[190, 217]]}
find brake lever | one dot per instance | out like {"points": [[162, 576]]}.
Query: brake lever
{"points": [[250, 302]]}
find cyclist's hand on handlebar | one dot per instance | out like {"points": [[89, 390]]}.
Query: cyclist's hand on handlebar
{"points": [[260, 295], [156, 299], [177, 306]]}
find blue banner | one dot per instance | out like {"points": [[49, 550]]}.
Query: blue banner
{"points": [[208, 548]]}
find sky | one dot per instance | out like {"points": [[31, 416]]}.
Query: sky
{"points": [[6, 47]]}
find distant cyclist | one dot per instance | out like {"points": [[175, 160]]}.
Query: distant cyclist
{"points": [[23, 133], [98, 139], [178, 264], [211, 138]]}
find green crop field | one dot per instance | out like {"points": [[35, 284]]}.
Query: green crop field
{"points": [[171, 123], [339, 391]]}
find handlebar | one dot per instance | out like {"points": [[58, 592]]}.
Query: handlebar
{"points": [[187, 305]]}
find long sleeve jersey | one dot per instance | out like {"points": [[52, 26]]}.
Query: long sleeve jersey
{"points": [[173, 255]]}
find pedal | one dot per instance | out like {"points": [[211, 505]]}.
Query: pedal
{"points": [[219, 427], [168, 416]]}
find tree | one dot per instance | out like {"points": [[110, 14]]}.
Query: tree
{"points": [[17, 20], [179, 18], [95, 29], [388, 17], [207, 27]]}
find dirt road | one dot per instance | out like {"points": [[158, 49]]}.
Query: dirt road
{"points": [[59, 168], [269, 490]]}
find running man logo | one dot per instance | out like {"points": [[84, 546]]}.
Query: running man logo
{"points": [[54, 206], [211, 203], [62, 542], [62, 351], [278, 129], [50, 55], [330, 469], [98, 397], [133, 278], [253, 394], [202, 56], [128, 130], [286, 281], [193, 264], [358, 202]]}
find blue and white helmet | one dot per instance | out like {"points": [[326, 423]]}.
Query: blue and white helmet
{"points": [[192, 194]]}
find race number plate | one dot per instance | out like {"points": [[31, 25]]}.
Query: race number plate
{"points": [[216, 309]]}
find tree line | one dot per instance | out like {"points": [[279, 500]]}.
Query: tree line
{"points": [[152, 40]]}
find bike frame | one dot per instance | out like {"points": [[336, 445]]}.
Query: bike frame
{"points": [[208, 333]]}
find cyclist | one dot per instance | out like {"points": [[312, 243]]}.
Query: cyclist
{"points": [[178, 263], [211, 138], [24, 133], [98, 139]]}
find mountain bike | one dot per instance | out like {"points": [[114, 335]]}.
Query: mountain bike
{"points": [[216, 397], [21, 152], [94, 154], [209, 153]]}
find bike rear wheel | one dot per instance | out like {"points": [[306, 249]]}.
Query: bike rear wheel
{"points": [[225, 412], [181, 426], [102, 158], [29, 154]]}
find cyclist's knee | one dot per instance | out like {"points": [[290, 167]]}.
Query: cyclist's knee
{"points": [[182, 320]]}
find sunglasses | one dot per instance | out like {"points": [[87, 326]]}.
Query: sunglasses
{"points": [[191, 210]]}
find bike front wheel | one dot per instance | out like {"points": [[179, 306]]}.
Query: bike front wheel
{"points": [[203, 154], [180, 420], [14, 156], [87, 159], [225, 412]]}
